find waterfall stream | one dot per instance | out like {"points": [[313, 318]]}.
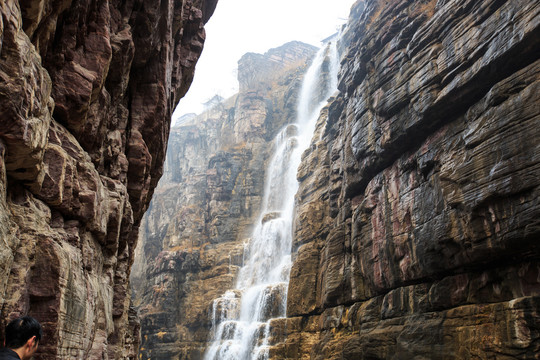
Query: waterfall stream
{"points": [[241, 317]]}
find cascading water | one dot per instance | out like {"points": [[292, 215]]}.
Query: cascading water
{"points": [[241, 317]]}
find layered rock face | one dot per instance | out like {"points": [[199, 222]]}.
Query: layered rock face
{"points": [[258, 70], [418, 211], [193, 235], [86, 93]]}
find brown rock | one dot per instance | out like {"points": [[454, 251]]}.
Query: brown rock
{"points": [[416, 226], [203, 210], [80, 155], [429, 166]]}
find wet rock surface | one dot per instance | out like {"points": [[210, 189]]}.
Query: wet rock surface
{"points": [[202, 213], [86, 93], [417, 227]]}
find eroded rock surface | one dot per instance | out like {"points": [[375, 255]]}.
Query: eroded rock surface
{"points": [[86, 93], [417, 230], [194, 232]]}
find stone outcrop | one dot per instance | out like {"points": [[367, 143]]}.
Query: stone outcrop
{"points": [[86, 93], [193, 235], [417, 228], [256, 70]]}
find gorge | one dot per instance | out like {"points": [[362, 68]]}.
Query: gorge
{"points": [[414, 232], [205, 207]]}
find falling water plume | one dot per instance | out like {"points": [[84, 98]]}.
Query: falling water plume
{"points": [[241, 317]]}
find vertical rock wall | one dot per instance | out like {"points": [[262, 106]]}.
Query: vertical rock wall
{"points": [[417, 234], [192, 237], [87, 89]]}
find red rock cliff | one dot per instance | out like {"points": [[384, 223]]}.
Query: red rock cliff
{"points": [[418, 213], [86, 93]]}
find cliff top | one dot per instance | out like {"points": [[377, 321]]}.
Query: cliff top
{"points": [[256, 68]]}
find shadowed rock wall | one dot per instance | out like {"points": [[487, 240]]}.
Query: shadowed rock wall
{"points": [[86, 93], [417, 234]]}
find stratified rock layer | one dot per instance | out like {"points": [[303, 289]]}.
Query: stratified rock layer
{"points": [[206, 203], [86, 93], [418, 231]]}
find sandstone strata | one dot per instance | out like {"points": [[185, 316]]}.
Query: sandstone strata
{"points": [[203, 209], [86, 93], [417, 229]]}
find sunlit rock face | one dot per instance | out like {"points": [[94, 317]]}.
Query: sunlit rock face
{"points": [[192, 238], [86, 93], [417, 229]]}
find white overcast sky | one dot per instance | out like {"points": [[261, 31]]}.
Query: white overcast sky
{"points": [[241, 26]]}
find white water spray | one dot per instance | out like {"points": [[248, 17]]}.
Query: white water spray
{"points": [[241, 317]]}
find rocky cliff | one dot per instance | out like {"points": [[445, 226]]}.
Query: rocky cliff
{"points": [[416, 230], [192, 238], [86, 93], [418, 212]]}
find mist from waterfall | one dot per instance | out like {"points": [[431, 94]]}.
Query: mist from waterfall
{"points": [[241, 317]]}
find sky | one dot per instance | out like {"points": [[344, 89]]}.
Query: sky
{"points": [[241, 26]]}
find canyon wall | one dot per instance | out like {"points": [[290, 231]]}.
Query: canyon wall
{"points": [[86, 94], [417, 230], [193, 235]]}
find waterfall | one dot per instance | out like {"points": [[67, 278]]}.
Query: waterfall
{"points": [[241, 317]]}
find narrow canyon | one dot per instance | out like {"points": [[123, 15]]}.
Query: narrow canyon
{"points": [[404, 225]]}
